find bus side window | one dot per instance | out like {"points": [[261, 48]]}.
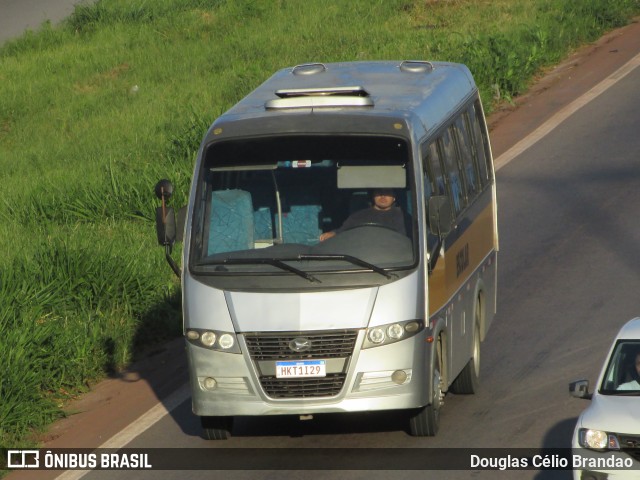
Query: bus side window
{"points": [[480, 144], [434, 173], [434, 182], [469, 169], [452, 170]]}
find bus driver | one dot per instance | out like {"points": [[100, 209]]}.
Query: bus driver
{"points": [[383, 212]]}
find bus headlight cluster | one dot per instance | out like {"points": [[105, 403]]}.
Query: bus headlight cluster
{"points": [[597, 439], [213, 339], [391, 333]]}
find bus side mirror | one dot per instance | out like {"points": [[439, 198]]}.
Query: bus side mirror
{"points": [[167, 229], [165, 216], [440, 217]]}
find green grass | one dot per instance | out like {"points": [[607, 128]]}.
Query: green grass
{"points": [[94, 112]]}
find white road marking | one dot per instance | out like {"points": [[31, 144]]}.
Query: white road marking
{"points": [[143, 423], [566, 112]]}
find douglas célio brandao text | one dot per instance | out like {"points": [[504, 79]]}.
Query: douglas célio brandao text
{"points": [[549, 461]]}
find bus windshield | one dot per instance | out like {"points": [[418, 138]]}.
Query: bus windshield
{"points": [[304, 206]]}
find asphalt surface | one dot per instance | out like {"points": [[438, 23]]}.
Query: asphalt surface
{"points": [[16, 16]]}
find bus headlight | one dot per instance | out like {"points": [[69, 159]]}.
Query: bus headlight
{"points": [[395, 331], [208, 339], [376, 335], [391, 333], [226, 341], [213, 340]]}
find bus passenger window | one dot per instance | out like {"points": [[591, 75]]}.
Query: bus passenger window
{"points": [[480, 145], [464, 149], [458, 195], [434, 172], [434, 184]]}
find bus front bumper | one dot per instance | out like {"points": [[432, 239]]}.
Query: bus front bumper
{"points": [[389, 377]]}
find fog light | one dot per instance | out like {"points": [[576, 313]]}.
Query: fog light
{"points": [[208, 339], [399, 377], [210, 383]]}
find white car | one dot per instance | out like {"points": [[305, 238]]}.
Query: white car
{"points": [[606, 440]]}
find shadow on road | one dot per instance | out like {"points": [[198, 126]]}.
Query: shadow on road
{"points": [[558, 437]]}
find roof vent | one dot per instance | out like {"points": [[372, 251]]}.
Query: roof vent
{"points": [[416, 66], [323, 92], [326, 97], [309, 69]]}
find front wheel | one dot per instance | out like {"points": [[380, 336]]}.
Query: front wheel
{"points": [[216, 428], [425, 421]]}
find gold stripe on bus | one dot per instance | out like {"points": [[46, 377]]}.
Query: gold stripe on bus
{"points": [[461, 260]]}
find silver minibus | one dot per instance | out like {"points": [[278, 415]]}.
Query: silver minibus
{"points": [[340, 245]]}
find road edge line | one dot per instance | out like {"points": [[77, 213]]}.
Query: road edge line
{"points": [[566, 112], [135, 428]]}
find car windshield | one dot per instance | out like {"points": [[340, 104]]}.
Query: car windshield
{"points": [[304, 205], [622, 376]]}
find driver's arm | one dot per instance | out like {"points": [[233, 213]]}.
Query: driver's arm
{"points": [[352, 220], [327, 235]]}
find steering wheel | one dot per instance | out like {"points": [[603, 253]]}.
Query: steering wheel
{"points": [[371, 224]]}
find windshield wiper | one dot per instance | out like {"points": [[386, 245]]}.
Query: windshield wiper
{"points": [[279, 263], [347, 258], [264, 261]]}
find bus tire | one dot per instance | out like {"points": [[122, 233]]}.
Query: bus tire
{"points": [[216, 428], [425, 421], [468, 380]]}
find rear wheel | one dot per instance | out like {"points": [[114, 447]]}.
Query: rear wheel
{"points": [[425, 421], [468, 380], [216, 428]]}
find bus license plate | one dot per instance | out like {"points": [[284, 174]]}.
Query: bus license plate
{"points": [[301, 369]]}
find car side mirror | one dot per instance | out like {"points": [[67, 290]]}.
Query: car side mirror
{"points": [[440, 215], [580, 389]]}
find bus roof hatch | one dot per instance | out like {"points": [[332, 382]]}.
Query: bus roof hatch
{"points": [[327, 97]]}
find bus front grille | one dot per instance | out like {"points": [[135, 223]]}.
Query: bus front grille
{"points": [[335, 346], [282, 345], [303, 387]]}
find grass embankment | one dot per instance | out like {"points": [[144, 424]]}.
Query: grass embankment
{"points": [[94, 112]]}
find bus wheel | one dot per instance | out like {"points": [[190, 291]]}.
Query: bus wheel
{"points": [[468, 380], [216, 428], [425, 421]]}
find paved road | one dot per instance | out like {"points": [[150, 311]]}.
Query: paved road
{"points": [[16, 16]]}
